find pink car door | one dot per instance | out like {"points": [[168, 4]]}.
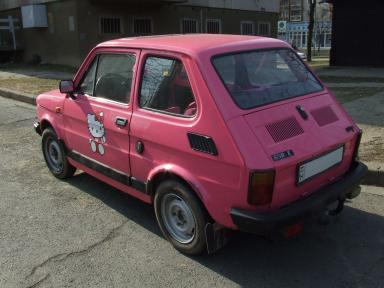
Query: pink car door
{"points": [[97, 118], [164, 111]]}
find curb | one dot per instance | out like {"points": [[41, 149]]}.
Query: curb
{"points": [[375, 175], [19, 96]]}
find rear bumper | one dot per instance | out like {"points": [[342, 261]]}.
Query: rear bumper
{"points": [[267, 223]]}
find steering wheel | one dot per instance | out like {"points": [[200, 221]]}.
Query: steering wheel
{"points": [[112, 86]]}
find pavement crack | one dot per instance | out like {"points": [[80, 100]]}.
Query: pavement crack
{"points": [[53, 258], [64, 256], [36, 284], [111, 235]]}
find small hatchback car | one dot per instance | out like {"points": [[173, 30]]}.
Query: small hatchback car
{"points": [[218, 132]]}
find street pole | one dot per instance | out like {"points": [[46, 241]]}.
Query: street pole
{"points": [[312, 8]]}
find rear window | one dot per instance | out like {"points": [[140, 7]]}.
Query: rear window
{"points": [[256, 78]]}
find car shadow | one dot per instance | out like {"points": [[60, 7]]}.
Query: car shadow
{"points": [[130, 207], [347, 253]]}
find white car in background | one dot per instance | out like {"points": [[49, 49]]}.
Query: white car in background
{"points": [[302, 55]]}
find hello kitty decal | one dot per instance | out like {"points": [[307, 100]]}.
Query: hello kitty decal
{"points": [[97, 132]]}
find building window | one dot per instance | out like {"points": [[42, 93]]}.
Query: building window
{"points": [[296, 10], [110, 25], [296, 39], [247, 28], [328, 39], [189, 26], [284, 10], [303, 39], [264, 29], [142, 26], [71, 23], [213, 26]]}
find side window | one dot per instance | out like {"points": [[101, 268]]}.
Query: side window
{"points": [[165, 87], [113, 80], [114, 77], [87, 84], [226, 66]]}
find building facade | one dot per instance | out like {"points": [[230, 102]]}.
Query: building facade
{"points": [[67, 29], [294, 21]]}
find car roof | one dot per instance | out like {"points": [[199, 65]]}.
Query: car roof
{"points": [[193, 44]]}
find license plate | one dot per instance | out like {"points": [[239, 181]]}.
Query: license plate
{"points": [[316, 166]]}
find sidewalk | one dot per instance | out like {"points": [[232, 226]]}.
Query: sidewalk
{"points": [[30, 80], [367, 111], [351, 72], [369, 114]]}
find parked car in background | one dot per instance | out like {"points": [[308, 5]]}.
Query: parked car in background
{"points": [[302, 55], [217, 132]]}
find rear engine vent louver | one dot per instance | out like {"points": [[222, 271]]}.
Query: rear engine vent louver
{"points": [[202, 143], [284, 129], [324, 116]]}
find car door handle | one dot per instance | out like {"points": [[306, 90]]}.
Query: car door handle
{"points": [[121, 122]]}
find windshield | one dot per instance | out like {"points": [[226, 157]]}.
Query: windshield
{"points": [[256, 78]]}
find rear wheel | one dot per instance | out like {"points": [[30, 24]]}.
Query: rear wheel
{"points": [[54, 155], [181, 217]]}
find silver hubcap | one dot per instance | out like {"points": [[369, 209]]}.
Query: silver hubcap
{"points": [[178, 218], [54, 155]]}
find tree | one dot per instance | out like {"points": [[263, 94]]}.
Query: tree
{"points": [[322, 23], [312, 9]]}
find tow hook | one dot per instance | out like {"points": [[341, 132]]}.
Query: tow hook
{"points": [[325, 217]]}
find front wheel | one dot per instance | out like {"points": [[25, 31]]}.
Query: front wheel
{"points": [[181, 217], [54, 155]]}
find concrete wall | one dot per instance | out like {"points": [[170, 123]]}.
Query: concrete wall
{"points": [[12, 4], [252, 5], [166, 20], [55, 44], [6, 39], [58, 44]]}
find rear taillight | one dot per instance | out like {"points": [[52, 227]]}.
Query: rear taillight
{"points": [[261, 187], [357, 145]]}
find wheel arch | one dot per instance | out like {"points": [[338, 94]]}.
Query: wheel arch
{"points": [[44, 124], [167, 172], [49, 121]]}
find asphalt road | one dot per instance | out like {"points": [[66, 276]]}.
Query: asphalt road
{"points": [[83, 233]]}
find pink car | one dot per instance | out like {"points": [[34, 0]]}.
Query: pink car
{"points": [[218, 132]]}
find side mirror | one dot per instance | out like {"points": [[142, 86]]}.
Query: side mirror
{"points": [[66, 86]]}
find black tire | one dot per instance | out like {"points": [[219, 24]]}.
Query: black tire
{"points": [[182, 196], [55, 156]]}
